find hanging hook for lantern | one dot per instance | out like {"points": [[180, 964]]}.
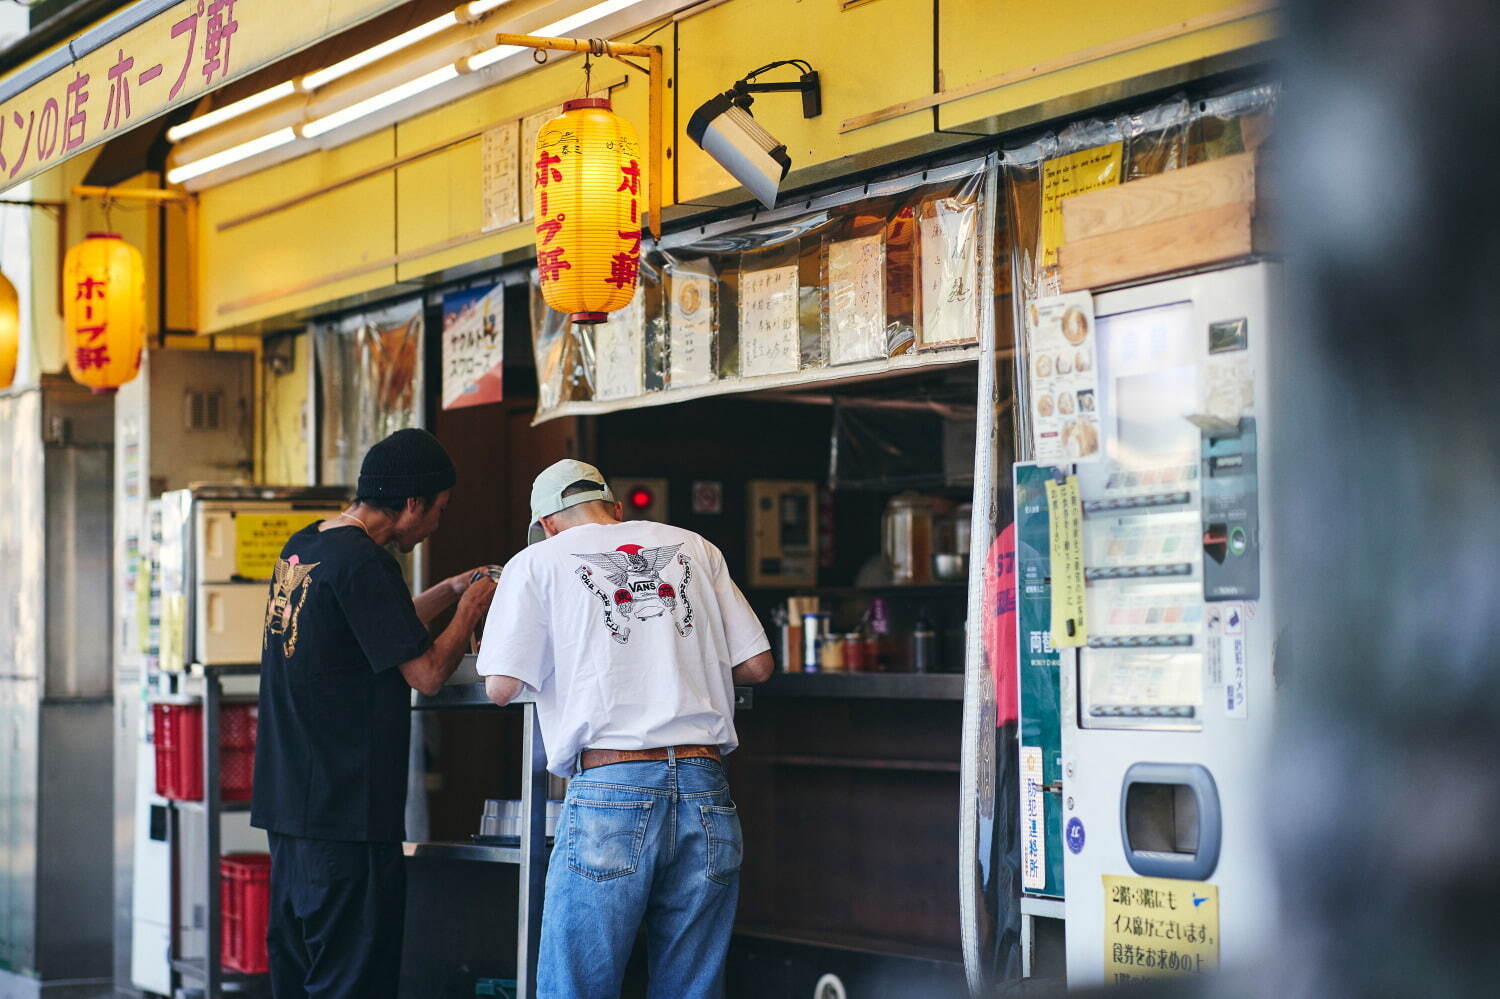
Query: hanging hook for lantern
{"points": [[588, 69], [539, 56]]}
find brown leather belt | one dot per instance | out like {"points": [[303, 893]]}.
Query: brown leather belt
{"points": [[591, 758]]}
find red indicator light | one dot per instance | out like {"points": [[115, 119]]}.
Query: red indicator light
{"points": [[640, 498]]}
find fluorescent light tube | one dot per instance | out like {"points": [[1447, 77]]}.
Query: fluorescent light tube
{"points": [[233, 154], [374, 53], [370, 105], [220, 115]]}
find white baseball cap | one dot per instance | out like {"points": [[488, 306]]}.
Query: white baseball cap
{"points": [[547, 489]]}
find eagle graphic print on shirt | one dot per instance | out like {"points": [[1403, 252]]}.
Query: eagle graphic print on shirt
{"points": [[635, 589]]}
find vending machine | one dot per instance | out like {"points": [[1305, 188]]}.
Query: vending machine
{"points": [[1167, 701]]}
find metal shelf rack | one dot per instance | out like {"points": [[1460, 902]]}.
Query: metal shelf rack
{"points": [[531, 853], [208, 971]]}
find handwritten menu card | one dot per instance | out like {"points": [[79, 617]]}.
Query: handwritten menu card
{"points": [[856, 299], [500, 179], [769, 333], [620, 353], [948, 234]]}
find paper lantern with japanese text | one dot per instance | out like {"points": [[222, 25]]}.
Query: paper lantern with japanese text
{"points": [[10, 331], [104, 311], [590, 189]]}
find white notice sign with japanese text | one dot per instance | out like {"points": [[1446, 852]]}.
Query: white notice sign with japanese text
{"points": [[856, 299], [620, 353], [770, 341], [500, 181], [690, 346], [948, 231]]}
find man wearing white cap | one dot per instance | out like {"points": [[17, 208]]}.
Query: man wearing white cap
{"points": [[632, 635]]}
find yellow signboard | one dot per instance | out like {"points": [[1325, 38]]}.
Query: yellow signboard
{"points": [[173, 656], [1065, 523], [1087, 170], [259, 538], [155, 64], [1159, 928]]}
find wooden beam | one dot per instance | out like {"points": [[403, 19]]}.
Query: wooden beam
{"points": [[1226, 181]]}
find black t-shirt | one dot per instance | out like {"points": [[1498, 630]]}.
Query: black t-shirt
{"points": [[335, 712]]}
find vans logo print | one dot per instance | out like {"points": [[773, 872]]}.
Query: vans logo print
{"points": [[637, 590]]}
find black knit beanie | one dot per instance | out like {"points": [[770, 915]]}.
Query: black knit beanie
{"points": [[408, 463]]}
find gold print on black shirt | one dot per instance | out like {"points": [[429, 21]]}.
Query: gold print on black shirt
{"points": [[291, 581]]}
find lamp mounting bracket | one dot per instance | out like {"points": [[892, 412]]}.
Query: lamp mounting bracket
{"points": [[809, 86]]}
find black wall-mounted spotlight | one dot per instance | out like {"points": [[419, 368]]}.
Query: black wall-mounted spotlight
{"points": [[723, 128]]}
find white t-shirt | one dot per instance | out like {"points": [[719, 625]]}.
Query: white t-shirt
{"points": [[628, 633]]}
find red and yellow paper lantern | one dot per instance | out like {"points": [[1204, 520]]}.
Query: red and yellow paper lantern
{"points": [[590, 190], [104, 311], [10, 331]]}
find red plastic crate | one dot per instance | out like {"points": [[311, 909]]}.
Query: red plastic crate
{"points": [[179, 750], [244, 907]]}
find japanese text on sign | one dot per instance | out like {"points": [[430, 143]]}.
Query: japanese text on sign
{"points": [[690, 329], [175, 57], [1033, 821], [856, 299], [473, 347], [1159, 927], [1087, 170], [769, 334], [1066, 530], [259, 538]]}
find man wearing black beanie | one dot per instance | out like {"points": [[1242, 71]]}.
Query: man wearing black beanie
{"points": [[345, 642]]}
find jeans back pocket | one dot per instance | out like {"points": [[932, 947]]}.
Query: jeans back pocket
{"points": [[726, 844], [605, 838]]}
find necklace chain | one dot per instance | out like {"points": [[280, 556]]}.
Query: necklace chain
{"points": [[349, 516]]}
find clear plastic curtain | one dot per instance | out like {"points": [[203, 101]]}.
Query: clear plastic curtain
{"points": [[862, 276], [370, 370]]}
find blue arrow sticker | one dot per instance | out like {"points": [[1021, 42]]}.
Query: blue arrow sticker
{"points": [[1074, 834]]}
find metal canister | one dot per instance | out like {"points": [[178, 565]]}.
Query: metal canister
{"points": [[815, 626], [924, 647], [831, 654], [791, 648]]}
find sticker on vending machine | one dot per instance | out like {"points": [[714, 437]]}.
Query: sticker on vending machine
{"points": [[1227, 664], [1033, 822]]}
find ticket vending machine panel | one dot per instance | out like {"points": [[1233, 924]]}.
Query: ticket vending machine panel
{"points": [[1167, 709]]}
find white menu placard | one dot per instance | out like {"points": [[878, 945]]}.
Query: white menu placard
{"points": [[1062, 352], [856, 299], [620, 353], [530, 126], [770, 342], [949, 238], [690, 345], [500, 178]]}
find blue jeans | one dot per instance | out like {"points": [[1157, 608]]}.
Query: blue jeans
{"points": [[654, 843]]}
